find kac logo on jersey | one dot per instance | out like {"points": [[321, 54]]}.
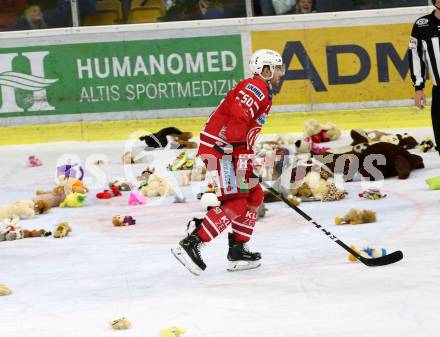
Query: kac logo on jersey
{"points": [[422, 22], [262, 119], [256, 91], [252, 136]]}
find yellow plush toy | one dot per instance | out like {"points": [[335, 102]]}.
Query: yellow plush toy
{"points": [[172, 331], [120, 324], [62, 230], [4, 290], [356, 217], [74, 200]]}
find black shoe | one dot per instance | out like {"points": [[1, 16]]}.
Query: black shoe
{"points": [[239, 257], [188, 253]]}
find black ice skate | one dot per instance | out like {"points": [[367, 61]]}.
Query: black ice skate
{"points": [[240, 258], [188, 252]]}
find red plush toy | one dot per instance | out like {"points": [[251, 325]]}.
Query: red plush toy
{"points": [[107, 194]]}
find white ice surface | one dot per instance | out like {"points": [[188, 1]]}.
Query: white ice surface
{"points": [[305, 287]]}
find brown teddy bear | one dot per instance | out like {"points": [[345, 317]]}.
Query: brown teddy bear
{"points": [[34, 233], [53, 198], [184, 141], [406, 141], [41, 206], [356, 217], [399, 162]]}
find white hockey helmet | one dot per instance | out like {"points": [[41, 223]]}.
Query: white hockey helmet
{"points": [[266, 57]]}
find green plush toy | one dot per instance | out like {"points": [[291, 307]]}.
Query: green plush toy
{"points": [[434, 183]]}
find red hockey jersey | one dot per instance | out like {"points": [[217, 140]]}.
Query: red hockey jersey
{"points": [[238, 119]]}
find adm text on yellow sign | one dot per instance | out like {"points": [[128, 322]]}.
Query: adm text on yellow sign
{"points": [[341, 64]]}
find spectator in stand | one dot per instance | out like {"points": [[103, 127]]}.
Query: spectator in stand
{"points": [[283, 6], [191, 10], [304, 7], [60, 16], [266, 7], [33, 18], [210, 11], [294, 6]]}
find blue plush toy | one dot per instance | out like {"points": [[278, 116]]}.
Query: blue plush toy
{"points": [[368, 253]]}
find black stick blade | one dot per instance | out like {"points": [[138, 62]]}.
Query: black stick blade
{"points": [[383, 260]]}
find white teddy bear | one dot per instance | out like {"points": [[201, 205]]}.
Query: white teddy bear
{"points": [[157, 186], [20, 209]]}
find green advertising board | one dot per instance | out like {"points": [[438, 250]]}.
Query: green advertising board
{"points": [[142, 75]]}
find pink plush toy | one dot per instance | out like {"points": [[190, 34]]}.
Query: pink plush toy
{"points": [[319, 149], [33, 161], [314, 148], [136, 199]]}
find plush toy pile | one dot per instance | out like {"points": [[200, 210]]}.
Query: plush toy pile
{"points": [[269, 156], [319, 133], [182, 162], [314, 181]]}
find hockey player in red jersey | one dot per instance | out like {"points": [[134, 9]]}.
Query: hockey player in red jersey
{"points": [[226, 148]]}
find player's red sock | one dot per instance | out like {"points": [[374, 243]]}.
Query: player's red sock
{"points": [[243, 226], [215, 222]]}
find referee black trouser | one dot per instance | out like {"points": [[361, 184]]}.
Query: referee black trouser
{"points": [[435, 114]]}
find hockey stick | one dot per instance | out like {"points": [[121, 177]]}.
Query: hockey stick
{"points": [[370, 262]]}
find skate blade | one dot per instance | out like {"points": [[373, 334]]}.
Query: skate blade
{"points": [[181, 255], [243, 265]]}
